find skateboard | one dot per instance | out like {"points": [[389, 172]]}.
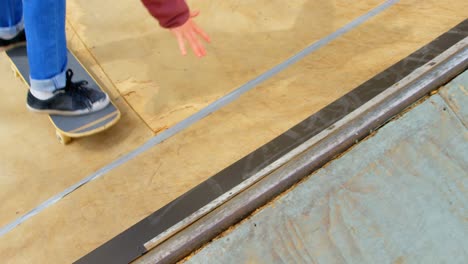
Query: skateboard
{"points": [[69, 127]]}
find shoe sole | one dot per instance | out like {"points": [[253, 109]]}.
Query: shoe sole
{"points": [[12, 46], [96, 107]]}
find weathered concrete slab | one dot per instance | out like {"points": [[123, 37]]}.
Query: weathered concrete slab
{"points": [[456, 96], [399, 197]]}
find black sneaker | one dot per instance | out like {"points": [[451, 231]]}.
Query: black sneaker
{"points": [[74, 99], [19, 40]]}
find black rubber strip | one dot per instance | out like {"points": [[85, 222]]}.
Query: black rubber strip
{"points": [[128, 245]]}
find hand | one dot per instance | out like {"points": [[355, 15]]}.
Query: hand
{"points": [[191, 32]]}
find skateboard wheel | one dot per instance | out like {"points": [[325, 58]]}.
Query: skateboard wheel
{"points": [[63, 138]]}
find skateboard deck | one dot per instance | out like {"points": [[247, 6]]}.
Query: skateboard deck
{"points": [[68, 127]]}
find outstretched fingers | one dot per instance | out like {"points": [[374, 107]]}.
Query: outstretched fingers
{"points": [[190, 32], [202, 33], [196, 45], [181, 42]]}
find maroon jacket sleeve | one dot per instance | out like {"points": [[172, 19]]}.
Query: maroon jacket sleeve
{"points": [[169, 13]]}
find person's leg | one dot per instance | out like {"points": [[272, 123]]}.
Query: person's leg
{"points": [[46, 43], [11, 18], [11, 23], [52, 90]]}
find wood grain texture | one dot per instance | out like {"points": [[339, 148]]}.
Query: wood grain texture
{"points": [[248, 39], [34, 166]]}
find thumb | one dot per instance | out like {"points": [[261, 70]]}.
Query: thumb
{"points": [[194, 13]]}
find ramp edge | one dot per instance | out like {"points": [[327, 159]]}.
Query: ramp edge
{"points": [[313, 154]]}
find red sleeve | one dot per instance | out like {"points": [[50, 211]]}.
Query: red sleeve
{"points": [[169, 13]]}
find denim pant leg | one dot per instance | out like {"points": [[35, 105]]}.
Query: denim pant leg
{"points": [[44, 22], [11, 18]]}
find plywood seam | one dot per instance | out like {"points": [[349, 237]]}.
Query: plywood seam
{"points": [[108, 77], [455, 114]]}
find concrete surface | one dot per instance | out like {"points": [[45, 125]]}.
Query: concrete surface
{"points": [[398, 197], [105, 39], [456, 96]]}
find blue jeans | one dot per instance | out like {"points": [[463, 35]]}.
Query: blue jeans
{"points": [[44, 22]]}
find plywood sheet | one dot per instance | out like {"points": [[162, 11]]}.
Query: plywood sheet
{"points": [[34, 166], [249, 38], [109, 205]]}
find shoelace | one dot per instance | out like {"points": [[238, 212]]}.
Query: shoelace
{"points": [[77, 89]]}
